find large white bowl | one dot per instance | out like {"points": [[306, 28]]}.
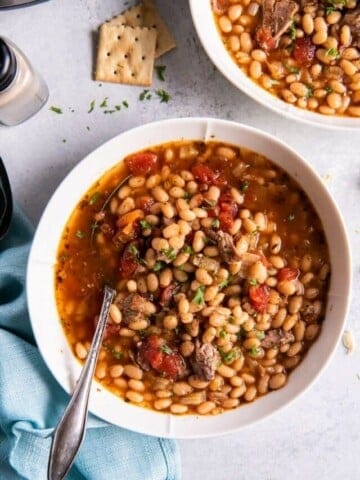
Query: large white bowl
{"points": [[40, 277], [203, 19]]}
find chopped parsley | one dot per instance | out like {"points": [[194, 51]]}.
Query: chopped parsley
{"points": [[310, 91], [253, 281], [254, 352], [158, 266], [117, 107], [260, 335], [94, 198], [92, 106], [88, 128], [170, 253], [166, 349], [328, 90], [187, 195], [292, 69], [333, 52], [56, 110], [228, 357], [223, 334], [330, 9], [188, 249], [115, 353], [209, 203], [64, 140], [163, 95], [292, 31], [104, 103], [215, 223], [80, 234], [244, 186], [224, 283], [125, 104], [199, 295], [160, 71], [145, 225], [110, 111], [145, 95], [241, 333]]}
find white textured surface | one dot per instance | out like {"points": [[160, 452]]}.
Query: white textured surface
{"points": [[318, 437]]}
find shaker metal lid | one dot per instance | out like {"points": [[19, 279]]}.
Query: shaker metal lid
{"points": [[8, 65]]}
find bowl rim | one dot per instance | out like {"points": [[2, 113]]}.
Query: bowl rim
{"points": [[40, 271], [211, 41]]}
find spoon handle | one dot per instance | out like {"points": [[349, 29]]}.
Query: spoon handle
{"points": [[6, 202], [69, 433]]}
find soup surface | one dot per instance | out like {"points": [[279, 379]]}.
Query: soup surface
{"points": [[305, 52], [221, 270]]}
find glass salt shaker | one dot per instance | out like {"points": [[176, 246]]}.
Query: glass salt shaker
{"points": [[22, 91]]}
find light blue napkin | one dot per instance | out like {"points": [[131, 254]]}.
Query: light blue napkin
{"points": [[31, 401]]}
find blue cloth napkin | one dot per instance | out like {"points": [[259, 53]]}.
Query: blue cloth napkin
{"points": [[31, 401]]}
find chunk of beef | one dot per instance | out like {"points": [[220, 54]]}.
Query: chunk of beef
{"points": [[210, 264], [205, 360], [308, 313], [276, 19], [275, 338], [225, 244], [135, 307], [352, 18], [155, 353]]}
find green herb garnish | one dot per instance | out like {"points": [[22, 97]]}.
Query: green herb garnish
{"points": [[329, 9], [225, 282], [160, 70], [125, 104], [310, 91], [166, 349], [145, 225], [292, 69], [188, 249], [170, 253], [223, 334], [80, 234], [104, 103], [244, 186], [328, 90], [56, 110], [199, 295], [94, 198], [158, 266], [88, 128], [253, 281], [260, 335], [187, 195], [333, 52], [145, 95], [254, 352], [163, 95], [292, 31], [215, 223], [228, 357], [241, 333], [64, 140], [92, 106]]}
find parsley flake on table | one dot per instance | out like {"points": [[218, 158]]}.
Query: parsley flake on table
{"points": [[145, 95], [125, 104], [163, 95], [160, 72], [92, 106], [56, 110], [104, 103]]}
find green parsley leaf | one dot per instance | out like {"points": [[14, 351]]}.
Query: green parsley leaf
{"points": [[144, 224], [253, 281], [292, 69], [188, 249], [260, 335], [80, 234], [254, 352], [166, 349], [199, 295], [94, 198], [125, 104], [292, 31], [170, 253], [328, 90], [64, 140], [209, 203], [224, 283], [215, 223], [187, 195], [242, 333], [145, 95], [116, 354], [310, 91], [228, 357], [329, 9], [244, 186], [223, 334], [160, 71], [117, 107], [88, 128], [133, 250], [163, 95], [158, 266], [333, 52], [92, 106], [104, 103], [109, 111], [56, 110]]}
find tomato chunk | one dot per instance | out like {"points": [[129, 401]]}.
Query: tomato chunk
{"points": [[207, 175], [142, 163], [304, 50], [288, 273], [167, 294], [145, 203], [166, 360], [259, 297], [129, 260], [265, 39], [228, 211]]}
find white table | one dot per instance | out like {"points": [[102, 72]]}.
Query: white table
{"points": [[316, 438]]}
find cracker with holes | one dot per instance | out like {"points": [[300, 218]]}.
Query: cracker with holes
{"points": [[146, 15], [125, 54]]}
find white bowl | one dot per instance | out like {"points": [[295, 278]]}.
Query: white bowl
{"points": [[204, 22], [45, 320]]}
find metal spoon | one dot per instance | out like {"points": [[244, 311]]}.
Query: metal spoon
{"points": [[69, 433], [6, 201]]}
